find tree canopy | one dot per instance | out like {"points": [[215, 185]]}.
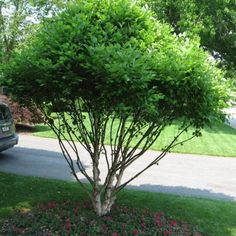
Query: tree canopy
{"points": [[126, 63], [111, 71]]}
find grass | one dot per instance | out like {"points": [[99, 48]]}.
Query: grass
{"points": [[218, 140], [211, 217]]}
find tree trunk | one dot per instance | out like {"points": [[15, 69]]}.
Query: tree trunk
{"points": [[97, 204], [103, 208]]}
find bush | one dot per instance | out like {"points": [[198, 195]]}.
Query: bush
{"points": [[21, 115]]}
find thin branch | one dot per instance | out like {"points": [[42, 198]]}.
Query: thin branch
{"points": [[103, 136], [111, 137], [149, 142], [79, 163], [58, 132], [69, 160], [81, 126], [155, 161], [73, 170], [144, 136]]}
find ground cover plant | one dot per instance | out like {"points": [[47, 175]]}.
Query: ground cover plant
{"points": [[24, 194], [78, 218], [121, 66]]}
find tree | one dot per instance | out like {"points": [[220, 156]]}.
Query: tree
{"points": [[17, 18], [213, 21], [111, 73]]}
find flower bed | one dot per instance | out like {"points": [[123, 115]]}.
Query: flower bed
{"points": [[77, 218]]}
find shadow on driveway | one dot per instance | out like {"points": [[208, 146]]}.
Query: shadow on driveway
{"points": [[35, 162]]}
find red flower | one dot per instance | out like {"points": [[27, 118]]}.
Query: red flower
{"points": [[143, 225], [76, 211], [68, 226], [135, 232], [51, 205], [173, 223], [167, 232], [124, 226], [158, 218], [114, 234]]}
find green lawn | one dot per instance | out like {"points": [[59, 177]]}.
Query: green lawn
{"points": [[219, 140], [211, 217]]}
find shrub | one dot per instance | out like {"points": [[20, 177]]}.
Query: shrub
{"points": [[22, 115]]}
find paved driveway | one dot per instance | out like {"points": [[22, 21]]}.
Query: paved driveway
{"points": [[232, 116], [204, 176]]}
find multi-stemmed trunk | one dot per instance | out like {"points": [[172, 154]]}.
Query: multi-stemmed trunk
{"points": [[103, 197], [92, 138]]}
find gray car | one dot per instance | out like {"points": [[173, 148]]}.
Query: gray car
{"points": [[8, 136]]}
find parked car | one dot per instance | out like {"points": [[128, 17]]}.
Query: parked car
{"points": [[8, 136]]}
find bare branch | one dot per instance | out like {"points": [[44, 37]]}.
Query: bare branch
{"points": [[111, 136], [103, 136], [59, 133], [150, 140], [157, 159]]}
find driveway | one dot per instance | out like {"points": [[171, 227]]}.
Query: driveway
{"points": [[232, 116], [182, 174]]}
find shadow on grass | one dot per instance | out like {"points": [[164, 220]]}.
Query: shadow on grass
{"points": [[41, 128], [211, 217], [220, 128], [183, 191]]}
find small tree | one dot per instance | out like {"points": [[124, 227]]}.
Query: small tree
{"points": [[110, 73]]}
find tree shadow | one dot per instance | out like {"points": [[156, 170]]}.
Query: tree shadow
{"points": [[41, 128], [183, 191], [207, 209], [24, 128], [220, 128]]}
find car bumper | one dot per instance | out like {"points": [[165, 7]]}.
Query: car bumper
{"points": [[8, 142]]}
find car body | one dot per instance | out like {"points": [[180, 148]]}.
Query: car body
{"points": [[8, 136]]}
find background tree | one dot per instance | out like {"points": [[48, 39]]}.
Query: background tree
{"points": [[19, 20], [213, 21], [111, 73]]}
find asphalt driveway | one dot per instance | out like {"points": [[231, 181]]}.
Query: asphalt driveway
{"points": [[232, 116], [183, 174]]}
